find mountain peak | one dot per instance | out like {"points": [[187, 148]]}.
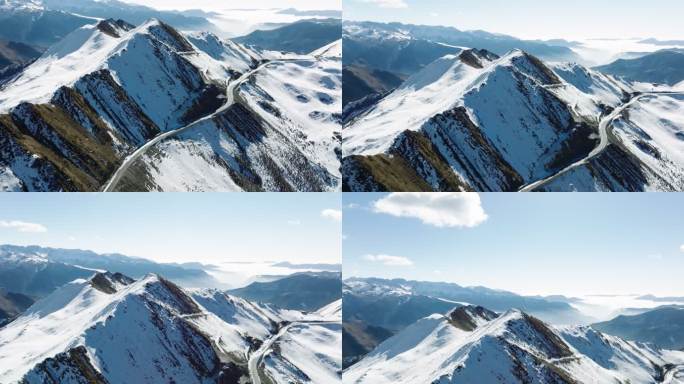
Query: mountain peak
{"points": [[114, 28], [108, 282], [468, 317]]}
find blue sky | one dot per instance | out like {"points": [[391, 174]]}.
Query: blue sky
{"points": [[573, 244], [172, 227], [533, 19]]}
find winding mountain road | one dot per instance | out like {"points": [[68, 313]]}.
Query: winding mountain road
{"points": [[604, 132], [257, 356], [230, 100]]}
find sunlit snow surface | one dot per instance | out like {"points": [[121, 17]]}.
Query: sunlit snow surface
{"points": [[499, 348], [309, 353], [140, 326]]}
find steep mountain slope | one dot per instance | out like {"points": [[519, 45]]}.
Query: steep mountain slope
{"points": [[119, 329], [663, 326], [14, 57], [38, 271], [301, 291], [473, 344], [332, 311], [300, 37], [478, 122], [307, 353], [359, 338], [12, 305], [361, 82], [663, 67], [75, 113], [280, 134], [150, 109], [643, 150]]}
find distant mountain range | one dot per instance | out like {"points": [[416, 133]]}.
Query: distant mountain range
{"points": [[662, 326], [305, 291], [38, 271], [300, 37], [662, 67], [45, 22]]}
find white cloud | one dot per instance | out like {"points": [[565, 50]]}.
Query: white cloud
{"points": [[388, 3], [458, 209], [391, 261], [332, 214], [681, 248], [23, 226]]}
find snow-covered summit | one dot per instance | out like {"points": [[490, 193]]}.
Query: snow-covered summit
{"points": [[475, 345], [115, 328]]}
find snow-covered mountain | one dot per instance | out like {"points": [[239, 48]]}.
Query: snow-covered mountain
{"points": [[282, 134], [118, 107], [476, 121], [662, 326], [12, 305], [473, 344], [113, 329]]}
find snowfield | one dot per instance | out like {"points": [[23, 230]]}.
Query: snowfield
{"points": [[185, 112], [474, 121], [112, 328], [471, 344], [282, 133]]}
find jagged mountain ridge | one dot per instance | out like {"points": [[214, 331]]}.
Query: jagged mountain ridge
{"points": [[475, 121], [12, 305], [150, 330], [78, 124], [282, 134], [473, 344]]}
